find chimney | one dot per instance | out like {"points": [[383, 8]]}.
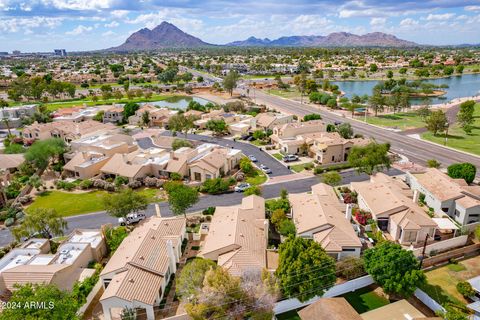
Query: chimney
{"points": [[416, 195], [348, 211], [171, 256], [265, 230], [157, 210]]}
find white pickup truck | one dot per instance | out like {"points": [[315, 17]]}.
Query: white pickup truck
{"points": [[131, 218]]}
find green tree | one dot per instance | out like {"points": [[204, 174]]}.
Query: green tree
{"points": [[217, 126], [230, 81], [253, 190], [246, 166], [42, 151], [432, 163], [126, 201], [465, 289], [350, 267], [370, 158], [332, 178], [465, 115], [377, 102], [45, 222], [35, 181], [373, 67], [180, 197], [129, 110], [453, 312], [286, 228], [466, 171], [180, 123], [345, 130], [190, 281], [312, 116], [437, 122], [181, 143], [305, 269], [146, 118], [60, 305], [394, 268], [114, 237], [259, 134]]}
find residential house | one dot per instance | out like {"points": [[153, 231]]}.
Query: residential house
{"points": [[320, 216], [290, 137], [338, 308], [157, 116], [393, 206], [89, 154], [237, 236], [32, 262], [201, 163], [65, 130], [447, 196], [140, 269], [113, 114], [329, 308], [330, 148], [270, 120], [76, 114], [11, 162], [13, 115]]}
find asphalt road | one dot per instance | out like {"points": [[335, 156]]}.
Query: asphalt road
{"points": [[416, 150], [278, 168], [96, 219]]}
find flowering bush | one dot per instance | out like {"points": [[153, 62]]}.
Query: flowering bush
{"points": [[362, 216]]}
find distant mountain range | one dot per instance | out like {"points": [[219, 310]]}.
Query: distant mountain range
{"points": [[337, 39], [166, 35]]}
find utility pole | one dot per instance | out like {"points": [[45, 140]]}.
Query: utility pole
{"points": [[423, 251]]}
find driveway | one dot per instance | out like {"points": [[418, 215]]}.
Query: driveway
{"points": [[278, 169]]}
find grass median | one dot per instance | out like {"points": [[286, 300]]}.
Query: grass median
{"points": [[70, 203]]}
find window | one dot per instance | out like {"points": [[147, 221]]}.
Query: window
{"points": [[198, 176], [445, 209], [348, 249], [410, 236]]}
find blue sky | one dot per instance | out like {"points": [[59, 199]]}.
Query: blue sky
{"points": [[42, 25]]}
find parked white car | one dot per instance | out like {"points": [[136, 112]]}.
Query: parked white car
{"points": [[131, 218], [241, 187]]}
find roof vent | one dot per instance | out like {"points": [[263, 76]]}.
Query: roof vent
{"points": [[131, 280], [142, 258], [241, 235], [153, 238]]}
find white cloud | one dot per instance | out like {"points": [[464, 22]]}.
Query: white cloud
{"points": [[439, 17], [408, 22], [119, 13], [80, 29], [27, 24], [109, 33], [112, 24], [79, 4], [375, 22], [472, 8]]}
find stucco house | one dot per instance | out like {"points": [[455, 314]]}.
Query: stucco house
{"points": [[270, 120], [393, 206], [140, 269], [320, 216], [237, 236], [447, 196]]}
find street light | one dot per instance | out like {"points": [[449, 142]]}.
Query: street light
{"points": [[446, 133]]}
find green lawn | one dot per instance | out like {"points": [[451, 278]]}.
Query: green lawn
{"points": [[442, 282], [300, 167], [278, 156], [365, 299], [458, 139], [290, 315], [258, 143], [402, 120], [289, 93], [70, 204], [257, 179], [71, 103]]}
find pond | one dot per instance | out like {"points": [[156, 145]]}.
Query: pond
{"points": [[176, 102], [458, 86]]}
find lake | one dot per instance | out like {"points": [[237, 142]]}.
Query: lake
{"points": [[176, 102], [458, 86]]}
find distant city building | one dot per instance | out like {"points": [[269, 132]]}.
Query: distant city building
{"points": [[16, 52], [60, 52], [3, 53]]}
